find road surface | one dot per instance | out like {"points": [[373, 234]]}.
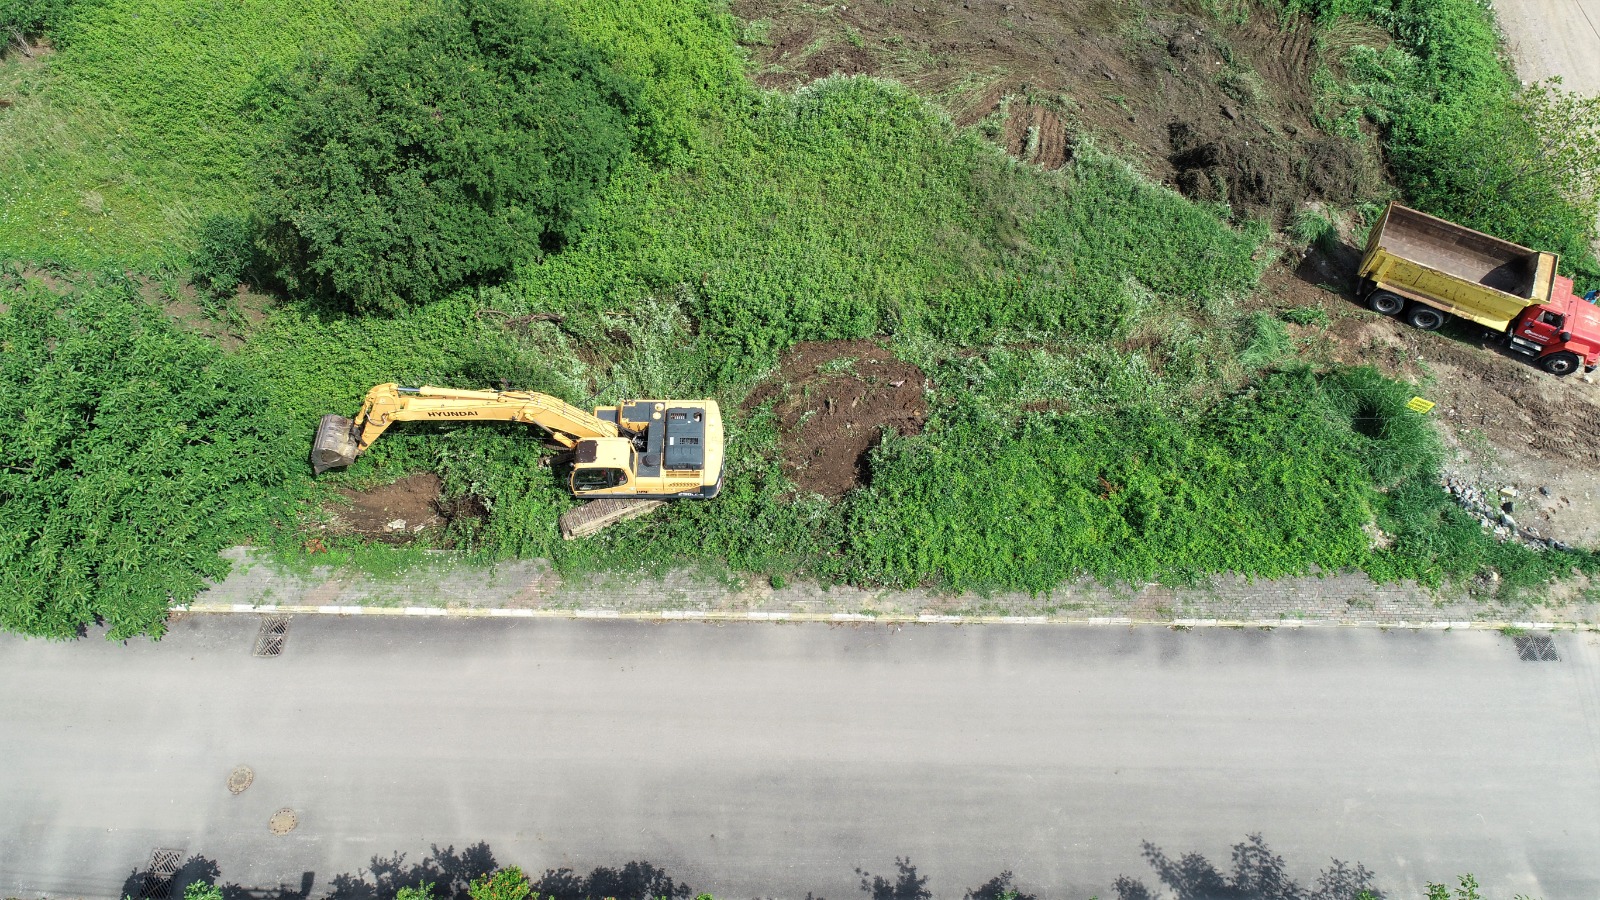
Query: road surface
{"points": [[1554, 37], [772, 760]]}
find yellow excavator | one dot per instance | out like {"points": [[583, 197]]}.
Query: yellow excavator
{"points": [[626, 458]]}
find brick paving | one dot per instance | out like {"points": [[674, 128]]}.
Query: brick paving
{"points": [[447, 584]]}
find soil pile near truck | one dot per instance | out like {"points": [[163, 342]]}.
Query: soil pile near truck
{"points": [[833, 401], [1220, 112]]}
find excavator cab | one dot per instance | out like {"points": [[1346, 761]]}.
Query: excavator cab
{"points": [[604, 466]]}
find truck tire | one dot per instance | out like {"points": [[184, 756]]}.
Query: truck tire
{"points": [[1385, 303], [1425, 317], [1563, 363]]}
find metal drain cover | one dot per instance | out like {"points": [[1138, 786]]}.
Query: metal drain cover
{"points": [[164, 863], [283, 821], [274, 631], [1536, 648], [240, 778]]}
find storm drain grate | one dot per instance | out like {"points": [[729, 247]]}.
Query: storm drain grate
{"points": [[274, 631], [1536, 648], [164, 864]]}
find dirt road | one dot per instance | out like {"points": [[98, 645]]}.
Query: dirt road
{"points": [[1554, 37]]}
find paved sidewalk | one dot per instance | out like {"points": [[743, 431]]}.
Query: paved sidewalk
{"points": [[530, 587]]}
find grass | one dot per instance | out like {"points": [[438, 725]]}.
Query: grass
{"points": [[1101, 405]]}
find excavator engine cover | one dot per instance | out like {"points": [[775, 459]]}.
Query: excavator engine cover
{"points": [[335, 446]]}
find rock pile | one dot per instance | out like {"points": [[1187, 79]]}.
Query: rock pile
{"points": [[1497, 519]]}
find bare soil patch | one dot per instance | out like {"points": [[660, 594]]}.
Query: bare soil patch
{"points": [[833, 400], [1219, 111], [394, 513]]}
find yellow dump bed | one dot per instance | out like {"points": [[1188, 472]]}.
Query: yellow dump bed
{"points": [[1463, 272]]}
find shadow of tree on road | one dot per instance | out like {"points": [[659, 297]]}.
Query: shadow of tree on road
{"points": [[167, 882], [1258, 874]]}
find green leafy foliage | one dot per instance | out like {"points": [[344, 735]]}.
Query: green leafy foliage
{"points": [[130, 454], [1099, 405], [199, 890], [457, 145], [977, 502], [225, 255], [502, 884], [142, 124], [33, 18], [1465, 141]]}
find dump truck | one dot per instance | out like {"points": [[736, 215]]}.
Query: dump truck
{"points": [[626, 459], [1428, 270]]}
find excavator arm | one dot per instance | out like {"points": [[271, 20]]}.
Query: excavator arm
{"points": [[339, 440]]}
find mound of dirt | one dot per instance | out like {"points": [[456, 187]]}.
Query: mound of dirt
{"points": [[832, 400], [396, 513], [1220, 111]]}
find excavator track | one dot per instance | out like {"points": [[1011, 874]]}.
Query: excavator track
{"points": [[596, 515]]}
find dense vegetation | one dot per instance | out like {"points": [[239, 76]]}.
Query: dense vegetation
{"points": [[462, 141], [130, 454], [1100, 404], [1466, 142]]}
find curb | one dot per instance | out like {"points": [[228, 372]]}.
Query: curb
{"points": [[851, 618]]}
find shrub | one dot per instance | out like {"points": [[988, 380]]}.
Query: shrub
{"points": [[32, 18], [1465, 142], [224, 255], [460, 143], [130, 454], [502, 884]]}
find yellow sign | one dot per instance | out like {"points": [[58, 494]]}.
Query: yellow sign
{"points": [[1420, 405]]}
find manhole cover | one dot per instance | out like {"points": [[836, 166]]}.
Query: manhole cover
{"points": [[1536, 648], [274, 631], [240, 778], [283, 821]]}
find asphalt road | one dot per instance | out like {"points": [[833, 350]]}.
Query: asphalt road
{"points": [[772, 760]]}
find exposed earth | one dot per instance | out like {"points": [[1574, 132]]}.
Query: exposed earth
{"points": [[1221, 112], [394, 513], [832, 402]]}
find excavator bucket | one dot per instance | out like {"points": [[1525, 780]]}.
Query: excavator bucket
{"points": [[335, 446]]}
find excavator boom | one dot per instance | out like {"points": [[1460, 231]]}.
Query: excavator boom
{"points": [[339, 440]]}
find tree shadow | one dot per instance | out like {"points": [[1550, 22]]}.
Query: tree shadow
{"points": [[449, 871], [1258, 874], [166, 876], [999, 887], [636, 880]]}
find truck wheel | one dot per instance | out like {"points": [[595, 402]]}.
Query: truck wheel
{"points": [[1562, 363], [1425, 317], [1385, 303]]}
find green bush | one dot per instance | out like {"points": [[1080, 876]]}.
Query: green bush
{"points": [[1464, 140], [502, 884], [33, 18], [130, 454], [459, 144], [976, 502], [225, 254]]}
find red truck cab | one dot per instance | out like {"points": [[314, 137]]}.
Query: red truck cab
{"points": [[1562, 334]]}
